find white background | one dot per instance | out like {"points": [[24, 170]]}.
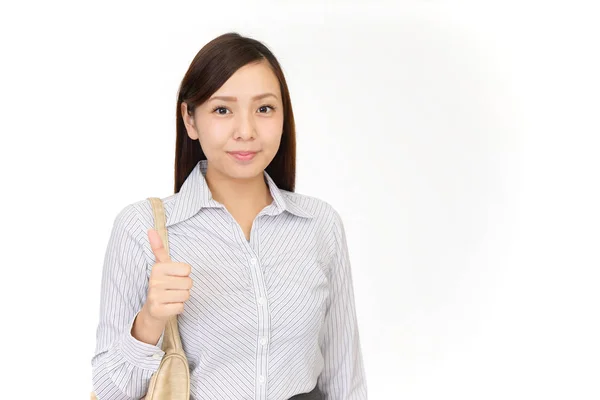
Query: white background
{"points": [[458, 140]]}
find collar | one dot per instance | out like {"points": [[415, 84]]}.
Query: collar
{"points": [[195, 194]]}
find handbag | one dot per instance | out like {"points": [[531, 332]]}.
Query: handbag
{"points": [[172, 379]]}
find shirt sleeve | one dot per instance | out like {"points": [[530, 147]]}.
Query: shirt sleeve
{"points": [[343, 375], [122, 365]]}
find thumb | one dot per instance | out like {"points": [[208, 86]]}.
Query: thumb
{"points": [[158, 248]]}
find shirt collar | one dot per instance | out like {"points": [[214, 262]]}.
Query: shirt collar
{"points": [[195, 194]]}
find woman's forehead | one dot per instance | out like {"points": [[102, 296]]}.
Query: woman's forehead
{"points": [[250, 82]]}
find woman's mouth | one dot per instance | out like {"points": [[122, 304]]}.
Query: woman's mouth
{"points": [[242, 155]]}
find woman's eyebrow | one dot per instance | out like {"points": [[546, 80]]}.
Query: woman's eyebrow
{"points": [[233, 98]]}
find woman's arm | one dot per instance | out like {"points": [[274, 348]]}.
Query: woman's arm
{"points": [[343, 376], [123, 365]]}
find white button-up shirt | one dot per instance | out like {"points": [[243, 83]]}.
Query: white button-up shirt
{"points": [[267, 318]]}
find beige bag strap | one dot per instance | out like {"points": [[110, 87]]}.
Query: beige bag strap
{"points": [[171, 339]]}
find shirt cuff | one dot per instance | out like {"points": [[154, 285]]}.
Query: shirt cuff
{"points": [[140, 354], [160, 340]]}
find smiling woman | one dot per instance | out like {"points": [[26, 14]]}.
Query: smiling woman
{"points": [[240, 134], [257, 277]]}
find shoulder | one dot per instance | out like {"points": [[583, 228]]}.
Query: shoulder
{"points": [[323, 212], [328, 224], [142, 210], [133, 220]]}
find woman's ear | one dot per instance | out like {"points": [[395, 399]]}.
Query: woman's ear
{"points": [[188, 120]]}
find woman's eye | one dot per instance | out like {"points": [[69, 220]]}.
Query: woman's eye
{"points": [[265, 107], [220, 108]]}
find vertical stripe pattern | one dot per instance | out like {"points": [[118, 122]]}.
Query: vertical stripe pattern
{"points": [[268, 318]]}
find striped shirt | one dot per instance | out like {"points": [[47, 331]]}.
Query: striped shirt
{"points": [[267, 318]]}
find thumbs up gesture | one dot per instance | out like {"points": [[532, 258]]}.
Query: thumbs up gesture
{"points": [[169, 285]]}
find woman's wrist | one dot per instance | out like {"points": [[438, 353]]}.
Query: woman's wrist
{"points": [[147, 329]]}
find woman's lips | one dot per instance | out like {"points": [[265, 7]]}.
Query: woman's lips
{"points": [[243, 155]]}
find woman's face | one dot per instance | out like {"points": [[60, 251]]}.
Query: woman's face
{"points": [[243, 115]]}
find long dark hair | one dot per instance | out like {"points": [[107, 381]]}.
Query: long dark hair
{"points": [[211, 67]]}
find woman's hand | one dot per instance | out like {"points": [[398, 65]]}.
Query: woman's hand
{"points": [[168, 289], [169, 285]]}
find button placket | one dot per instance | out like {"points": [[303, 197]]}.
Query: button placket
{"points": [[258, 282]]}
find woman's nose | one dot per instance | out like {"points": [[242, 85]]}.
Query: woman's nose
{"points": [[246, 128]]}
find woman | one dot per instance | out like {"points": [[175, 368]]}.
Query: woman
{"points": [[259, 275]]}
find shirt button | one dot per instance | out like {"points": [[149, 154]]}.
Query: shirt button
{"points": [[263, 341], [261, 300], [157, 356], [261, 379], [253, 261]]}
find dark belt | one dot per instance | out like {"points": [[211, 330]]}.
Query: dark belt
{"points": [[314, 394]]}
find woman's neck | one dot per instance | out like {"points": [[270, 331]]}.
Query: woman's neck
{"points": [[239, 195]]}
